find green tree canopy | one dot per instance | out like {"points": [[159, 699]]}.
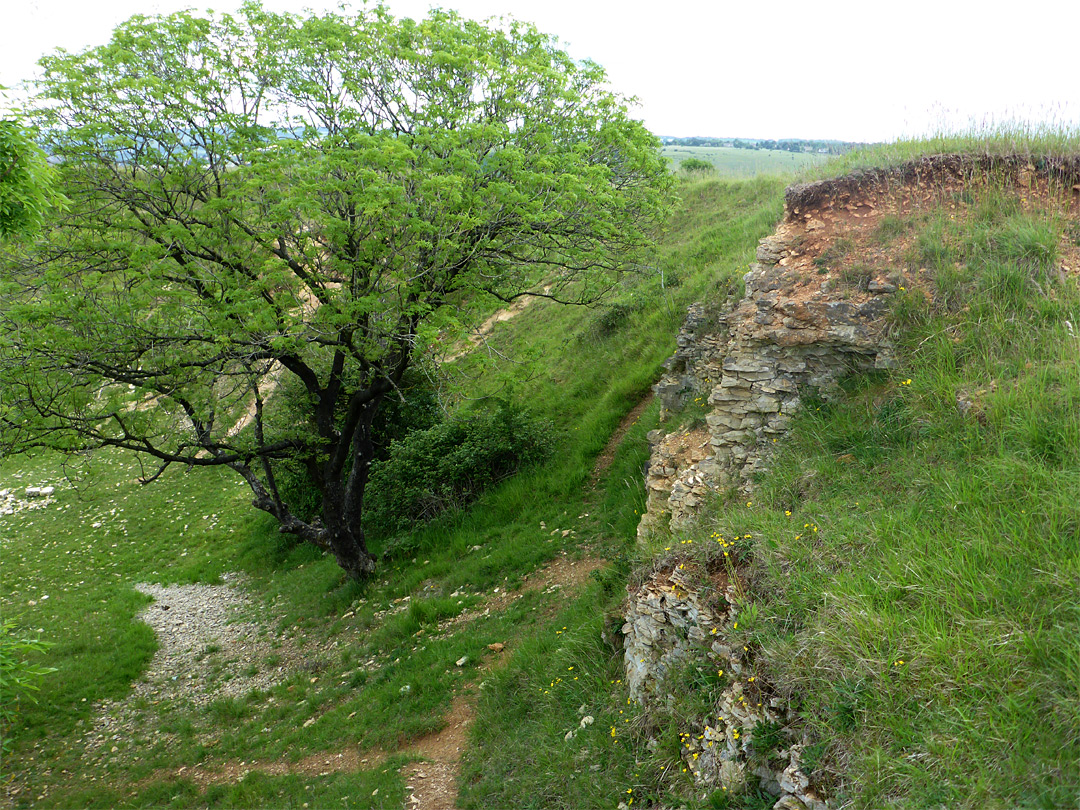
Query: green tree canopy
{"points": [[27, 182], [267, 195]]}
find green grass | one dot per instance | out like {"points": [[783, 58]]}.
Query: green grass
{"points": [[945, 540], [585, 369], [733, 163], [919, 604], [1033, 140]]}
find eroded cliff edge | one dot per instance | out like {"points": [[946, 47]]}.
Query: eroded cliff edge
{"points": [[815, 310]]}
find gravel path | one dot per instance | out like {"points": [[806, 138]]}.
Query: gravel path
{"points": [[208, 649]]}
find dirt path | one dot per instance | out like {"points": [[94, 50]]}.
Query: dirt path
{"points": [[201, 628], [349, 760], [603, 461], [432, 784]]}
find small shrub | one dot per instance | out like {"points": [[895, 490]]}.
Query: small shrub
{"points": [[696, 165], [1028, 245], [994, 207], [857, 276], [768, 738], [449, 465], [847, 704], [951, 289], [1072, 231], [834, 253], [608, 320], [890, 227], [228, 711]]}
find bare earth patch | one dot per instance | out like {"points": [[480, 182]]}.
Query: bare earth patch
{"points": [[210, 649], [432, 785]]}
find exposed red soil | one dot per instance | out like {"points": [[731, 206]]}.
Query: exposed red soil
{"points": [[852, 208]]}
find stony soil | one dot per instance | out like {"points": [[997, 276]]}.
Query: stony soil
{"points": [[209, 649], [213, 644]]}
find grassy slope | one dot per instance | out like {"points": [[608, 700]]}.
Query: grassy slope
{"points": [[965, 533], [915, 567], [942, 668], [589, 368]]}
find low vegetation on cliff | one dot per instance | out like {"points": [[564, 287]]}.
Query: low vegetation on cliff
{"points": [[909, 550]]}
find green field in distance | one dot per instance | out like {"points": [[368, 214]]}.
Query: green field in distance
{"points": [[732, 162]]}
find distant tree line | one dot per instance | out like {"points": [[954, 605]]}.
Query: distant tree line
{"points": [[785, 144]]}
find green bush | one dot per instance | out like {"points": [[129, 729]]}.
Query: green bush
{"points": [[449, 465], [696, 165]]}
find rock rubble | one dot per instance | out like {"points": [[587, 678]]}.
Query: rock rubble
{"points": [[11, 502], [681, 612], [208, 649]]}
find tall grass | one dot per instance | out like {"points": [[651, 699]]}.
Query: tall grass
{"points": [[926, 628], [1005, 138]]}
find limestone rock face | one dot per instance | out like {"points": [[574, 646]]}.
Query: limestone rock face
{"points": [[682, 473], [793, 335], [664, 617], [32, 498]]}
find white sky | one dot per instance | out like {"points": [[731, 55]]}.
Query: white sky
{"points": [[843, 69]]}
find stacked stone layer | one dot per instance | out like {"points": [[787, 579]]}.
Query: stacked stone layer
{"points": [[792, 336], [677, 614]]}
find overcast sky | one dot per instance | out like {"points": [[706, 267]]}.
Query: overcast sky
{"points": [[862, 70]]}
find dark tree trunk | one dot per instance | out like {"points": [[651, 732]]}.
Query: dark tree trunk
{"points": [[343, 502], [351, 552], [344, 533]]}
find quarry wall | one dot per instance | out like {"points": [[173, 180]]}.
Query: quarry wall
{"points": [[791, 338]]}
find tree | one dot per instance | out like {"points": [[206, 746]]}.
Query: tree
{"points": [[264, 195], [27, 183]]}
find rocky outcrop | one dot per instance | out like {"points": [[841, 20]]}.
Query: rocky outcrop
{"points": [[793, 336], [814, 309], [808, 317], [684, 612], [666, 618], [744, 368], [682, 474]]}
